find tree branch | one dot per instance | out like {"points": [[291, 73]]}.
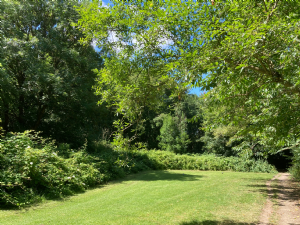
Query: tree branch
{"points": [[288, 148]]}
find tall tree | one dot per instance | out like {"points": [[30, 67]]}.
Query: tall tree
{"points": [[46, 75], [173, 132], [249, 51]]}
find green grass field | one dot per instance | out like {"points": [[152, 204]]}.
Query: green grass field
{"points": [[157, 197]]}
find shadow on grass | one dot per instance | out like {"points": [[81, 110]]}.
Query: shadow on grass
{"points": [[166, 175], [280, 192], [214, 222]]}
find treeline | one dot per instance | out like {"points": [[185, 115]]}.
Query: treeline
{"points": [[80, 79], [46, 78], [48, 85]]}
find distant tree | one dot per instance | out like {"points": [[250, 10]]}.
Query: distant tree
{"points": [[193, 110], [173, 132]]}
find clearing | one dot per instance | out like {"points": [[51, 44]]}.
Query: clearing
{"points": [[158, 197]]}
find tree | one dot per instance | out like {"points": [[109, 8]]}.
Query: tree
{"points": [[247, 49], [173, 132], [46, 75], [193, 109]]}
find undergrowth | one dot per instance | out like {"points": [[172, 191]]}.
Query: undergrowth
{"points": [[32, 167]]}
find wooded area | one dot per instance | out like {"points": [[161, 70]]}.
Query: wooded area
{"points": [[102, 82]]}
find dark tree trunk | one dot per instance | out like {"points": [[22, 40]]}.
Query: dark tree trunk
{"points": [[40, 114], [5, 122]]}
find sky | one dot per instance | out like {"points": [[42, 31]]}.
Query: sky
{"points": [[105, 1], [196, 91]]}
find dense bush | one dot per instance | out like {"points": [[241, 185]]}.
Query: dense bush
{"points": [[118, 164], [295, 168], [167, 160], [30, 168]]}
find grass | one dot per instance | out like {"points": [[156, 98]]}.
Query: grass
{"points": [[157, 197]]}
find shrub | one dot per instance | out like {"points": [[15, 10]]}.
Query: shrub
{"points": [[295, 168], [31, 167], [169, 160]]}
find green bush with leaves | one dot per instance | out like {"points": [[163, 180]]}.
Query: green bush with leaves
{"points": [[169, 160], [31, 167], [295, 168], [119, 163]]}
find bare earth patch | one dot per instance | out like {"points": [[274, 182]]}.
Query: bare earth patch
{"points": [[283, 202]]}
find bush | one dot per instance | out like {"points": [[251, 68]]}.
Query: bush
{"points": [[119, 163], [295, 168], [169, 160], [31, 167]]}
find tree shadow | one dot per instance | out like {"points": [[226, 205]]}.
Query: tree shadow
{"points": [[279, 191], [165, 175], [214, 222]]}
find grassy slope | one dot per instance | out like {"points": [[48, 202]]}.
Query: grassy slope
{"points": [[157, 197]]}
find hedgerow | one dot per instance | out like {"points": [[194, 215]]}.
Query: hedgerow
{"points": [[32, 167], [168, 160]]}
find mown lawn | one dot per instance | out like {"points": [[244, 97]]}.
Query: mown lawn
{"points": [[157, 197]]}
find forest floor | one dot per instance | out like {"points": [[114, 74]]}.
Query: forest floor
{"points": [[283, 203]]}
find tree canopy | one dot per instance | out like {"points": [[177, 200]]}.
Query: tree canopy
{"points": [[244, 53], [46, 75]]}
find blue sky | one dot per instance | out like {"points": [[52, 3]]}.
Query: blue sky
{"points": [[196, 91], [193, 90], [105, 1]]}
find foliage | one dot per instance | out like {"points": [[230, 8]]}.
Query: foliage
{"points": [[251, 62], [141, 85], [218, 138], [173, 132], [216, 144], [189, 107], [119, 163], [45, 74], [193, 108], [169, 160], [31, 167], [295, 168]]}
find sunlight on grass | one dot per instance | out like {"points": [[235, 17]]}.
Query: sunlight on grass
{"points": [[157, 197]]}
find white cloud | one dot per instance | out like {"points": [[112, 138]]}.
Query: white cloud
{"points": [[94, 43], [104, 5], [165, 42]]}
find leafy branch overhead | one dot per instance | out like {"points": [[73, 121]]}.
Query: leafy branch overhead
{"points": [[245, 53]]}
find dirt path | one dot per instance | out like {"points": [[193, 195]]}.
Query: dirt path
{"points": [[283, 205]]}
